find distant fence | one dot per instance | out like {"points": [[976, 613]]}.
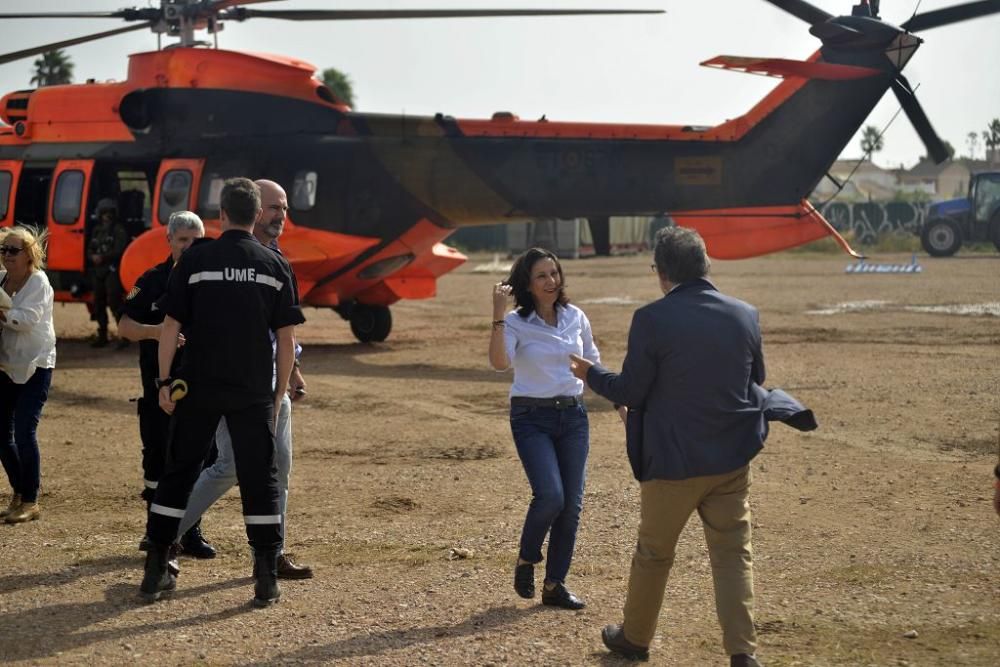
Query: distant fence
{"points": [[870, 220], [866, 220]]}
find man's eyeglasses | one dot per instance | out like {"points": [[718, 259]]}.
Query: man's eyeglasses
{"points": [[10, 250]]}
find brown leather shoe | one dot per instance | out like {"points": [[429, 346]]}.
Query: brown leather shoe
{"points": [[613, 637], [15, 502], [743, 660], [24, 512], [287, 569]]}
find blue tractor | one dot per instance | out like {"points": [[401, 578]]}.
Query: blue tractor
{"points": [[972, 218]]}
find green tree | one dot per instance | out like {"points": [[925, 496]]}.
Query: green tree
{"points": [[871, 140], [340, 84], [53, 68]]}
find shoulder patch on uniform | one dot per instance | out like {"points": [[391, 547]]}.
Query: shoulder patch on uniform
{"points": [[134, 293]]}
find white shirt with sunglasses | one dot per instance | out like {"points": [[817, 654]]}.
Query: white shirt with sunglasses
{"points": [[27, 337]]}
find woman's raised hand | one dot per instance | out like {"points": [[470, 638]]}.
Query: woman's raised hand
{"points": [[501, 295]]}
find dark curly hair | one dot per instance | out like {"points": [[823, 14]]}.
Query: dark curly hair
{"points": [[520, 280]]}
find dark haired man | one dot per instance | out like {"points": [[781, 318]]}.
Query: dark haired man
{"points": [[218, 478], [229, 295], [690, 374]]}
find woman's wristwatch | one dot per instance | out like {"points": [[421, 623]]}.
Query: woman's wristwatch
{"points": [[163, 382]]}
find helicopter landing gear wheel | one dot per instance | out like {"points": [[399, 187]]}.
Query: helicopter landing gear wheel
{"points": [[941, 238], [370, 324]]}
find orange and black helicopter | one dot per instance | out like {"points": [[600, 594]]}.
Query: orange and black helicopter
{"points": [[373, 196]]}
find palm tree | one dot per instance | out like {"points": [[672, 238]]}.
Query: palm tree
{"points": [[340, 84], [992, 139], [972, 140], [871, 140], [52, 69]]}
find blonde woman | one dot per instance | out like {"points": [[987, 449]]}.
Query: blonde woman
{"points": [[27, 357]]}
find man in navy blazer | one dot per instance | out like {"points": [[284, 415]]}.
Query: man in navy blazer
{"points": [[690, 380]]}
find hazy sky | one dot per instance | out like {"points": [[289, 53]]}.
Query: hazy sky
{"points": [[609, 69]]}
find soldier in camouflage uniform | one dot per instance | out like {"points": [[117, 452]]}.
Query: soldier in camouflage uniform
{"points": [[104, 250]]}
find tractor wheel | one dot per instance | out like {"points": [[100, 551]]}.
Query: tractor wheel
{"points": [[371, 324], [995, 230], [941, 238]]}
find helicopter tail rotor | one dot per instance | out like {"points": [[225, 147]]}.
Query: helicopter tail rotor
{"points": [[848, 37]]}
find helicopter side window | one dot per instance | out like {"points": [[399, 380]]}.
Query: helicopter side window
{"points": [[174, 193], [69, 194], [304, 190], [5, 180], [211, 195]]}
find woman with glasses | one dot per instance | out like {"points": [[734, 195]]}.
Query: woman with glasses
{"points": [[547, 417], [27, 357]]}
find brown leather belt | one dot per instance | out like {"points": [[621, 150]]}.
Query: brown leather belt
{"points": [[557, 402]]}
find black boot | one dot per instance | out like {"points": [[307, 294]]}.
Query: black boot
{"points": [[102, 338], [157, 578], [193, 543], [265, 574]]}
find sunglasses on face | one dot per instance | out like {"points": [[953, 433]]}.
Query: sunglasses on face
{"points": [[10, 250]]}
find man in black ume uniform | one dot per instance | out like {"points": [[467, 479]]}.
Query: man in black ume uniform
{"points": [[228, 295]]}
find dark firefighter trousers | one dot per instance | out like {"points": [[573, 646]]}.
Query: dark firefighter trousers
{"points": [[251, 425]]}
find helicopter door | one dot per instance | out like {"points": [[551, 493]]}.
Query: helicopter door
{"points": [[67, 217], [9, 171], [176, 188]]}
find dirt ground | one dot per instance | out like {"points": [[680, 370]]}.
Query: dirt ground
{"points": [[877, 524]]}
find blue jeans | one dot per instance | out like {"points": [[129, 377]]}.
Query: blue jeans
{"points": [[553, 446], [20, 411]]}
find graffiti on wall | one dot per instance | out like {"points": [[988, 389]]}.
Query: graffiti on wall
{"points": [[870, 220]]}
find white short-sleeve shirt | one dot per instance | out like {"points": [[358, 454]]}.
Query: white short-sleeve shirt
{"points": [[539, 353]]}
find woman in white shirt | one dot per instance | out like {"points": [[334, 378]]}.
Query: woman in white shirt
{"points": [[547, 416], [27, 357]]}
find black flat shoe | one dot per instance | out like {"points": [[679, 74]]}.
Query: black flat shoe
{"points": [[524, 580], [560, 597], [613, 637]]}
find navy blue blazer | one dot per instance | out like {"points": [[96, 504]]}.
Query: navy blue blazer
{"points": [[691, 379]]}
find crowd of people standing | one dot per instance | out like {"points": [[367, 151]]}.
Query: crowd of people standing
{"points": [[689, 394]]}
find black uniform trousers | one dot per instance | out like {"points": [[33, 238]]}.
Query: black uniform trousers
{"points": [[154, 431], [154, 426], [251, 425]]}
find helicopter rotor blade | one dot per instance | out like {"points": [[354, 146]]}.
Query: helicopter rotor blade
{"points": [[27, 53], [219, 5], [375, 14], [799, 8], [63, 15], [953, 14], [908, 100]]}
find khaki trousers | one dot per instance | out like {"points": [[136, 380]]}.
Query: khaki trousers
{"points": [[722, 503]]}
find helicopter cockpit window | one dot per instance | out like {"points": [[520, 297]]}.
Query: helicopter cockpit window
{"points": [[5, 180], [304, 191], [69, 194], [174, 193]]}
